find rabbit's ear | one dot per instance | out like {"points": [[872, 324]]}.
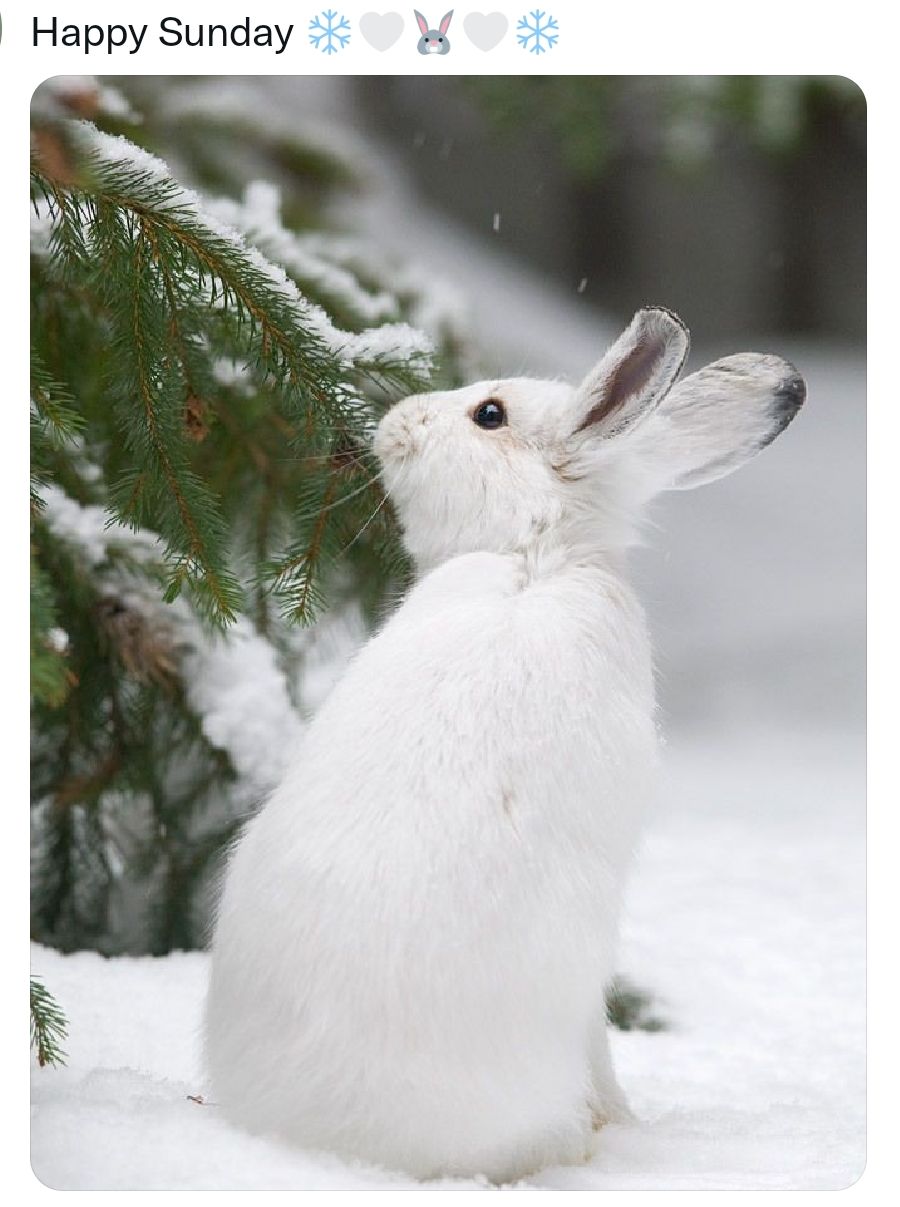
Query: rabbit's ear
{"points": [[420, 21], [720, 417], [445, 22], [634, 375]]}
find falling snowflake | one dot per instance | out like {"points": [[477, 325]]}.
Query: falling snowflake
{"points": [[537, 31], [329, 31]]}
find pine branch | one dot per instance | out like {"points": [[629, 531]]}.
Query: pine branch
{"points": [[55, 424], [226, 273], [184, 277], [51, 678], [54, 403], [295, 579], [48, 1026]]}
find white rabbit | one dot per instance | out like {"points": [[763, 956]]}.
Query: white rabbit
{"points": [[417, 930]]}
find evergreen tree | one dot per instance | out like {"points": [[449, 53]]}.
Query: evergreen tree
{"points": [[207, 369]]}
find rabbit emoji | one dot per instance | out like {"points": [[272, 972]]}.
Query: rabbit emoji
{"points": [[434, 41]]}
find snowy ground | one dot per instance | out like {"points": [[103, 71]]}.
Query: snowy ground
{"points": [[745, 920]]}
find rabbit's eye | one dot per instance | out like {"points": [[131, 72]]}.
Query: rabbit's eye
{"points": [[490, 415]]}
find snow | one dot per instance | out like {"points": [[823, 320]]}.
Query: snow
{"points": [[58, 640], [232, 679], [94, 530], [258, 217], [437, 307], [745, 921], [230, 372], [235, 685], [117, 149]]}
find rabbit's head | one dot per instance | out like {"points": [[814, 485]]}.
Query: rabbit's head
{"points": [[433, 41], [520, 464]]}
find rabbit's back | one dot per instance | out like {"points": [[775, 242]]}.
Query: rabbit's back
{"points": [[416, 930]]}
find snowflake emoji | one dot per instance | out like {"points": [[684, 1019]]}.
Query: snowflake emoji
{"points": [[537, 31], [329, 31]]}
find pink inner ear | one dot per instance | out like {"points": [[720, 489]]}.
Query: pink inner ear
{"points": [[422, 23], [445, 22], [627, 380]]}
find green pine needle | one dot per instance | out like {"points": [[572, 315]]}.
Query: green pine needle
{"points": [[48, 1026]]}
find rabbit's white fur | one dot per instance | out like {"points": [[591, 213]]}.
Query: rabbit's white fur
{"points": [[417, 930]]}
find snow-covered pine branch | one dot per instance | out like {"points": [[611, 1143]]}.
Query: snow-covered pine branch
{"points": [[171, 278]]}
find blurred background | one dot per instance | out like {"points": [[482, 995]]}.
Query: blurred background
{"points": [[521, 222], [740, 199]]}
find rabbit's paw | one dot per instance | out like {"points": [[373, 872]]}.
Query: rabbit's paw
{"points": [[618, 1112], [593, 1141]]}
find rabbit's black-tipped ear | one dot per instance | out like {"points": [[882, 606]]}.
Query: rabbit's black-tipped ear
{"points": [[718, 418], [634, 375]]}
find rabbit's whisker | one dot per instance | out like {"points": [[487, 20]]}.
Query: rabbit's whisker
{"points": [[350, 545], [318, 511]]}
